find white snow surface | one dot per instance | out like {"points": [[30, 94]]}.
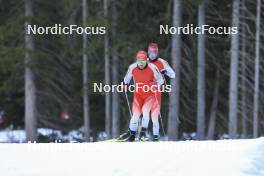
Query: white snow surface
{"points": [[182, 158]]}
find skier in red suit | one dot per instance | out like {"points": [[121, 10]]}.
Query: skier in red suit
{"points": [[145, 75]]}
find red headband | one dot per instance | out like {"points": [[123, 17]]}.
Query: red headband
{"points": [[153, 48], [141, 55]]}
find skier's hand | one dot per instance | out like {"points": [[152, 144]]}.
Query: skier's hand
{"points": [[163, 72]]}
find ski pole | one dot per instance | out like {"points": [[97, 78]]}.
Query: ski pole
{"points": [[130, 112]]}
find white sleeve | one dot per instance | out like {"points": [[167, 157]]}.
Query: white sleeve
{"points": [[168, 70], [129, 75], [157, 75]]}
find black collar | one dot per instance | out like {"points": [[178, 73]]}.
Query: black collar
{"points": [[150, 60]]}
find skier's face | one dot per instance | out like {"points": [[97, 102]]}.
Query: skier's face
{"points": [[141, 63], [152, 55]]}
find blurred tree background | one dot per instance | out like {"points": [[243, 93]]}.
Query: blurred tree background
{"points": [[56, 62]]}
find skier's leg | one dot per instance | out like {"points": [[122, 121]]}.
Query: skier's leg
{"points": [[145, 120], [155, 112], [136, 108], [136, 112], [155, 119], [146, 110]]}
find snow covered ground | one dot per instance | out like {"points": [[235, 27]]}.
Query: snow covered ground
{"points": [[186, 158]]}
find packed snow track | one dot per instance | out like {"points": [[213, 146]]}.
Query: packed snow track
{"points": [[184, 158]]}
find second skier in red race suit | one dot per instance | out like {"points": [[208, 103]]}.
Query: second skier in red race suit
{"points": [[166, 70]]}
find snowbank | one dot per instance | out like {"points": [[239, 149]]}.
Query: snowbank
{"points": [[10, 135], [186, 158]]}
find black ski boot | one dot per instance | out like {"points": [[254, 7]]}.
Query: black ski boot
{"points": [[155, 138], [125, 135], [132, 136], [142, 134]]}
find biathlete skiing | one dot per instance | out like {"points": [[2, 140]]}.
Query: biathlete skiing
{"points": [[147, 81]]}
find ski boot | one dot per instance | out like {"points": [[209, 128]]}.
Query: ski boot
{"points": [[125, 135], [155, 138], [142, 135], [131, 137]]}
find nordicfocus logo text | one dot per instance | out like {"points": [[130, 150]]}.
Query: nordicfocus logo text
{"points": [[58, 29], [138, 87], [204, 29]]}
